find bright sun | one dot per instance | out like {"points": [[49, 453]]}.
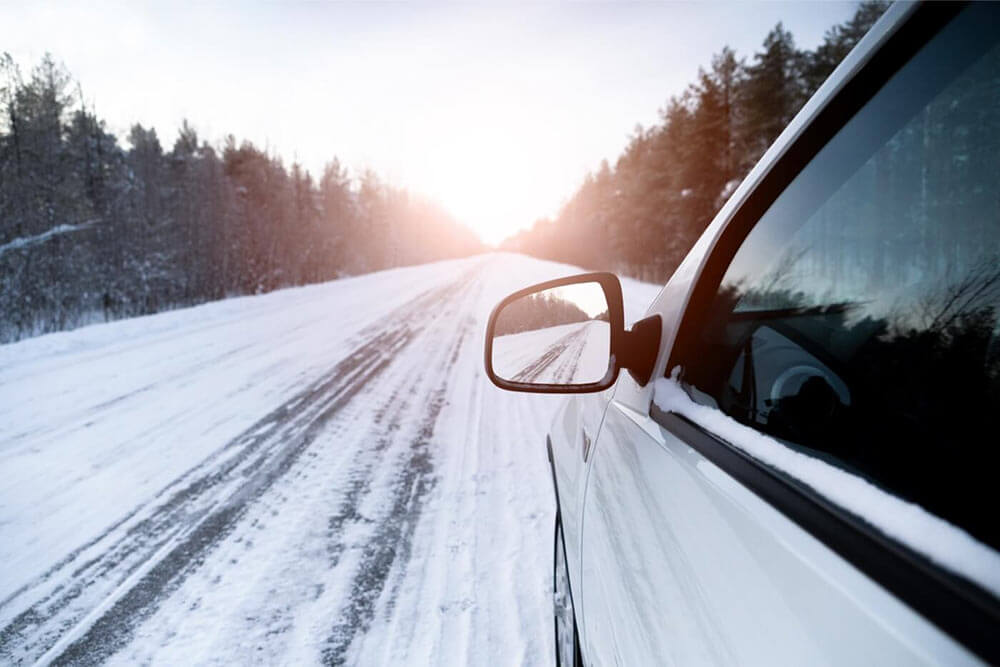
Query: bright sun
{"points": [[494, 165]]}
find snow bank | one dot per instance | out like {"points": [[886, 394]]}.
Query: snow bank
{"points": [[28, 241]]}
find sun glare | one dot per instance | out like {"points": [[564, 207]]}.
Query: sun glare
{"points": [[475, 166]]}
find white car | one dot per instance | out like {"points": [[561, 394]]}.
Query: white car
{"points": [[802, 463]]}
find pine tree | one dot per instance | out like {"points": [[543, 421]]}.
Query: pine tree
{"points": [[773, 93]]}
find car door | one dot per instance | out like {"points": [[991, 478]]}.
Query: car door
{"points": [[812, 477], [571, 440]]}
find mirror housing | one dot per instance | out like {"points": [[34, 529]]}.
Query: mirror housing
{"points": [[633, 350]]}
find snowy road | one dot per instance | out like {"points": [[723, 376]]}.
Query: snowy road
{"points": [[565, 354], [320, 474]]}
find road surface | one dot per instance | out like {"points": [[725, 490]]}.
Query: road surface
{"points": [[317, 475]]}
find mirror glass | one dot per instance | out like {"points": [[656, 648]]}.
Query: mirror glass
{"points": [[560, 335]]}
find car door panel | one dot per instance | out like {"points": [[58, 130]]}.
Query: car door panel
{"points": [[684, 562], [572, 437], [683, 565]]}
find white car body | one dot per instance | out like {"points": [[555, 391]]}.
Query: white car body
{"points": [[673, 561]]}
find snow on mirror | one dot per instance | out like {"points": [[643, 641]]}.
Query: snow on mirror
{"points": [[560, 335]]}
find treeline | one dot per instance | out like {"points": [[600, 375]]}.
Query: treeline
{"points": [[91, 230], [539, 311], [640, 217]]}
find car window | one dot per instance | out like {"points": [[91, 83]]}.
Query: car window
{"points": [[858, 320]]}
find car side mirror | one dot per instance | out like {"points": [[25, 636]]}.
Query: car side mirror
{"points": [[567, 336]]}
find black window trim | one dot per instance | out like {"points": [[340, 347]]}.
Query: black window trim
{"points": [[957, 606]]}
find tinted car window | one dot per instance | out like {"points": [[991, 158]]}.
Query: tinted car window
{"points": [[858, 321]]}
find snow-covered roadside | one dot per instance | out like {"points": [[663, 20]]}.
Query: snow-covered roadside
{"points": [[321, 473]]}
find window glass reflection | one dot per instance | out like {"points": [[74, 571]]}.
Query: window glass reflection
{"points": [[557, 336], [859, 320]]}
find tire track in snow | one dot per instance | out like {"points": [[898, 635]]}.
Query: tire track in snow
{"points": [[390, 541], [287, 590], [88, 605], [387, 551], [562, 351]]}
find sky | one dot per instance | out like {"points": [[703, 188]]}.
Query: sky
{"points": [[497, 111]]}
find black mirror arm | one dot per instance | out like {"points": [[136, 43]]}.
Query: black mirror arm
{"points": [[640, 347]]}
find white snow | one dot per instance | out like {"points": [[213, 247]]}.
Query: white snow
{"points": [[579, 353], [315, 474], [941, 542], [28, 241]]}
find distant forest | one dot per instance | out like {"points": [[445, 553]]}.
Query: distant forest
{"points": [[91, 230], [640, 217]]}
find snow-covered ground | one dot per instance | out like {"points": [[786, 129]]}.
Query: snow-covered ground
{"points": [[577, 353], [320, 474]]}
